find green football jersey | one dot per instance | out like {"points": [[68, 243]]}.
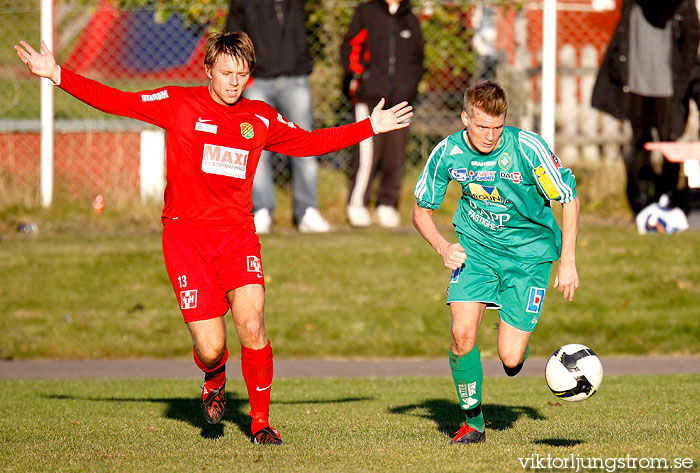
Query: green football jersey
{"points": [[506, 194]]}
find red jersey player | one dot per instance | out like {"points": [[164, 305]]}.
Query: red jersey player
{"points": [[212, 255]]}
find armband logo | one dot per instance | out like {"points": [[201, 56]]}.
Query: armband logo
{"points": [[546, 183], [163, 94]]}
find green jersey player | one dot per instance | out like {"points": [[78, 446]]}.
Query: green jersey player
{"points": [[508, 237]]}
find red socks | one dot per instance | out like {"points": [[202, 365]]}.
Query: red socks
{"points": [[256, 366], [214, 378]]}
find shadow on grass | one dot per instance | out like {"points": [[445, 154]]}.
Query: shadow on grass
{"points": [[558, 442], [448, 417], [189, 409]]}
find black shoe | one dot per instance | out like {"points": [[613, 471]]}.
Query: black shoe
{"points": [[513, 371], [468, 434], [213, 404], [266, 436]]}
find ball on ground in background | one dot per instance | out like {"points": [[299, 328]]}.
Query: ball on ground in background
{"points": [[573, 372]]}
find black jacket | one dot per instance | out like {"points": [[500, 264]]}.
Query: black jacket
{"points": [[611, 90], [280, 49], [384, 51]]}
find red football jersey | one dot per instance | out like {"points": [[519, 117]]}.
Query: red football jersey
{"points": [[212, 150]]}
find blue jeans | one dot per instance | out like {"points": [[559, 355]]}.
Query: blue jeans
{"points": [[290, 96]]}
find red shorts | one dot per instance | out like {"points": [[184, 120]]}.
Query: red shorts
{"points": [[204, 263]]}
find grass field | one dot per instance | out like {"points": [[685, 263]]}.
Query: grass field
{"points": [[344, 425], [350, 293]]}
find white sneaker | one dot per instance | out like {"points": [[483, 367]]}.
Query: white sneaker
{"points": [[388, 216], [358, 216], [263, 221], [313, 222]]}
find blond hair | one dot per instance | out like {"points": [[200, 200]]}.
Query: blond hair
{"points": [[236, 44], [488, 96]]}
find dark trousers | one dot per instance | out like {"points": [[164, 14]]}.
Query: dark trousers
{"points": [[644, 186], [383, 153]]}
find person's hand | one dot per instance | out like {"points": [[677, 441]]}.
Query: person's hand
{"points": [[566, 280], [453, 256], [392, 119], [40, 64]]}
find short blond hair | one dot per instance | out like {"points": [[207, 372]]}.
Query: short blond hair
{"points": [[236, 44], [487, 96]]}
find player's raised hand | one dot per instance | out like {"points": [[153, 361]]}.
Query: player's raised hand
{"points": [[40, 64], [391, 119]]}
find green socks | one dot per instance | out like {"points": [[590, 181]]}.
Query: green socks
{"points": [[468, 376]]}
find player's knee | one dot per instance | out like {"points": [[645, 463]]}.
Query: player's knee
{"points": [[211, 354], [252, 333], [462, 343], [511, 359]]}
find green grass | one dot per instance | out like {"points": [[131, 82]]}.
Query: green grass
{"points": [[386, 424], [349, 293]]}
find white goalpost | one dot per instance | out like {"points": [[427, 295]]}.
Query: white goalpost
{"points": [[46, 166]]}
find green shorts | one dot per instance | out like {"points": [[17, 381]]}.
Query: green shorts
{"points": [[516, 289]]}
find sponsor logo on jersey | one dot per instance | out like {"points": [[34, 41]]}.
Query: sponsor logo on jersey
{"points": [[281, 119], [535, 300], [202, 125], [487, 193], [188, 299], [481, 176], [483, 163], [254, 265], [459, 174], [486, 218], [247, 130], [224, 161], [546, 183], [504, 161], [555, 160], [163, 94], [512, 176]]}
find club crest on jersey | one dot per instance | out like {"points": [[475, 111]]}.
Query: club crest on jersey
{"points": [[188, 299], [224, 161], [459, 174], [504, 161], [546, 183], [247, 130], [535, 300]]}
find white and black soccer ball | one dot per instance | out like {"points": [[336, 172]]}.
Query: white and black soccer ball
{"points": [[573, 372]]}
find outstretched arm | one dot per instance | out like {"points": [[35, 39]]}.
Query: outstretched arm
{"points": [[391, 119], [40, 64], [567, 275], [452, 254]]}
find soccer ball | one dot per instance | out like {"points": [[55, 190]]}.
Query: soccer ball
{"points": [[573, 372]]}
